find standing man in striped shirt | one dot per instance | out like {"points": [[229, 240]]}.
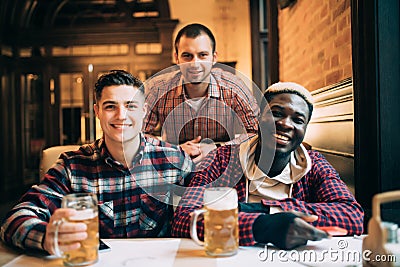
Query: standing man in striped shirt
{"points": [[133, 177], [198, 105]]}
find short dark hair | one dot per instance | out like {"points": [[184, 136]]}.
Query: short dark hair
{"points": [[192, 31], [116, 77]]}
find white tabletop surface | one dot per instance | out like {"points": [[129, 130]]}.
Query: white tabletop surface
{"points": [[337, 251]]}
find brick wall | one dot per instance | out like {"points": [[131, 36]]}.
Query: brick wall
{"points": [[315, 42]]}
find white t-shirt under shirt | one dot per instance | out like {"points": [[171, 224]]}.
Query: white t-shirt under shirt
{"points": [[195, 103]]}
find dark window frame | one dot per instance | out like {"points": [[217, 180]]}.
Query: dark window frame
{"points": [[375, 45], [264, 42]]}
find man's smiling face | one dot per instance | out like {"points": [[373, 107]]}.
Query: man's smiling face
{"points": [[290, 115], [120, 110], [195, 58]]}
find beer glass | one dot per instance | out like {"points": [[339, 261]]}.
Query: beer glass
{"points": [[87, 212], [221, 229]]}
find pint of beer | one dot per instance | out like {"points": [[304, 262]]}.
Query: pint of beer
{"points": [[87, 212], [221, 229]]}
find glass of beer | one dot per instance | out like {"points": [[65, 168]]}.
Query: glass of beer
{"points": [[87, 212], [221, 227]]}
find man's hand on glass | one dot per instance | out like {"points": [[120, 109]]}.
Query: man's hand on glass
{"points": [[69, 234]]}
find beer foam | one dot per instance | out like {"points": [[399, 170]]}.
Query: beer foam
{"points": [[221, 199], [83, 215]]}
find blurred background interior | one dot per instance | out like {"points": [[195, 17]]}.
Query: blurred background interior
{"points": [[346, 52]]}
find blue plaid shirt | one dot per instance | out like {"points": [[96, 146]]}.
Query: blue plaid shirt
{"points": [[132, 202]]}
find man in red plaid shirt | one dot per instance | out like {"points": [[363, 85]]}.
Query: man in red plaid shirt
{"points": [[281, 186], [199, 105]]}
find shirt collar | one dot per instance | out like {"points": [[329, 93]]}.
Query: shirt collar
{"points": [[105, 154], [101, 145], [213, 89], [259, 184], [139, 156], [299, 164], [137, 160]]}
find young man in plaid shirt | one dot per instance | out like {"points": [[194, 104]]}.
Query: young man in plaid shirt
{"points": [[280, 184], [132, 176], [199, 106]]}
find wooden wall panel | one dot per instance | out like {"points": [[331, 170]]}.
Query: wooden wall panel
{"points": [[331, 129]]}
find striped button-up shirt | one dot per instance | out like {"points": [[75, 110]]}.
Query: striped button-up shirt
{"points": [[132, 202], [229, 109]]}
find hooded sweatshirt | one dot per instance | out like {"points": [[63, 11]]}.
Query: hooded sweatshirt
{"points": [[259, 185]]}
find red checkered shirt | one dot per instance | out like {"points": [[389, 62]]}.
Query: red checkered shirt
{"points": [[320, 192], [228, 109]]}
